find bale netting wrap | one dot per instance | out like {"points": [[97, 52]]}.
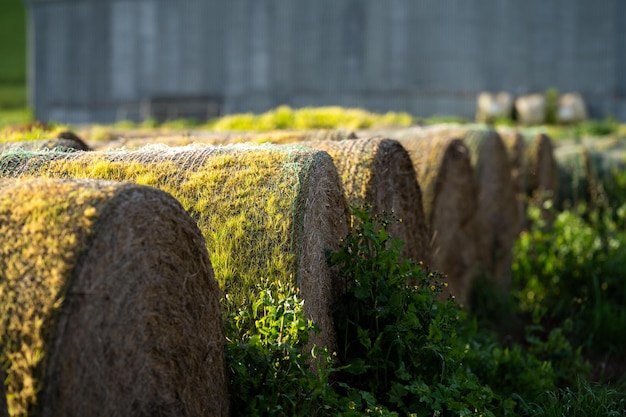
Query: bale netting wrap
{"points": [[111, 306], [576, 181], [379, 173], [63, 145], [266, 212], [449, 193]]}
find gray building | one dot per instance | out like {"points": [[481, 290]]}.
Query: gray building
{"points": [[106, 60]]}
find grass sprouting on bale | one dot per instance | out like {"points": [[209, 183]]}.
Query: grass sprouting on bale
{"points": [[266, 212], [110, 306], [42, 235], [30, 131], [378, 173]]}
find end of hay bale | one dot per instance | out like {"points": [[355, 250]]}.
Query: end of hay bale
{"points": [[449, 191], [129, 309], [379, 173]]}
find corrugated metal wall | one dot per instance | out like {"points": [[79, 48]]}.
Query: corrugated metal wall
{"points": [[99, 60]]}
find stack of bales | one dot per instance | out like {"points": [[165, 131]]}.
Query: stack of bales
{"points": [[497, 218], [379, 173], [266, 212], [110, 306], [497, 210], [449, 191]]}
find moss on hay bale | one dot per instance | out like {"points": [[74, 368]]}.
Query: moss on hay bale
{"points": [[449, 192], [266, 212], [110, 306], [379, 173]]}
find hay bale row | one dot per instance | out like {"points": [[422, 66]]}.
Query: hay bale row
{"points": [[449, 192], [266, 212], [138, 139], [497, 204], [379, 173], [110, 306]]}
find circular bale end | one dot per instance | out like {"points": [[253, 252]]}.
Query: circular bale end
{"points": [[115, 310], [449, 193], [379, 173]]}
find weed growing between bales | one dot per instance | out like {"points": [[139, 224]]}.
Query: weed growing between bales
{"points": [[403, 351]]}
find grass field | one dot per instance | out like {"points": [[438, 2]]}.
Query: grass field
{"points": [[12, 54]]}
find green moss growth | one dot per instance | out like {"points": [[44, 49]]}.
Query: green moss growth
{"points": [[44, 227], [246, 200]]}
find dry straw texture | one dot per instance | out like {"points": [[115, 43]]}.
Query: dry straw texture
{"points": [[379, 173], [110, 305], [449, 192], [541, 167], [516, 149], [266, 212], [497, 207], [138, 139]]}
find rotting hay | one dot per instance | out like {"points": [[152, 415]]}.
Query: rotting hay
{"points": [[266, 212], [110, 304], [449, 196], [379, 173], [576, 182], [134, 140]]}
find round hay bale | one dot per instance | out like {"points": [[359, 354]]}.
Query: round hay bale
{"points": [[541, 177], [575, 176], [135, 140], [516, 149], [497, 206], [449, 196], [110, 304], [379, 173], [266, 212]]}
